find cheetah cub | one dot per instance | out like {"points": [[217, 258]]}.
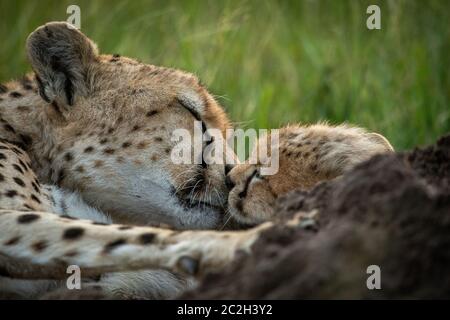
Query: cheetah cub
{"points": [[307, 156]]}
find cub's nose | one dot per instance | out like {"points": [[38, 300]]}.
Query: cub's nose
{"points": [[229, 183], [228, 168]]}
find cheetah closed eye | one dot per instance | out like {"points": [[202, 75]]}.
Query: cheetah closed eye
{"points": [[307, 155]]}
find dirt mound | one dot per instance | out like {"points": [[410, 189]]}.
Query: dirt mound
{"points": [[392, 211]]}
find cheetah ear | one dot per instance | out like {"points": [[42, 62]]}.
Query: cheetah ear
{"points": [[60, 55], [381, 140]]}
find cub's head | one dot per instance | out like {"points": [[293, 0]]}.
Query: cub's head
{"points": [[109, 130], [306, 156]]}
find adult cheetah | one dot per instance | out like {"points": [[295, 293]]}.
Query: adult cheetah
{"points": [[89, 136]]}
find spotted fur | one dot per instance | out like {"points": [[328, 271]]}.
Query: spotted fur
{"points": [[89, 136], [85, 154], [307, 156]]}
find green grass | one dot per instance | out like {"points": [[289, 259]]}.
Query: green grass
{"points": [[277, 62]]}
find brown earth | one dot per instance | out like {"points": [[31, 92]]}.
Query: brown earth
{"points": [[392, 211]]}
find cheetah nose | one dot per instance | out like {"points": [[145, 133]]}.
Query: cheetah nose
{"points": [[228, 168], [229, 183]]}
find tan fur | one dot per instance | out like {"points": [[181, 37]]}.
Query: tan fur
{"points": [[307, 155], [100, 125], [112, 140]]}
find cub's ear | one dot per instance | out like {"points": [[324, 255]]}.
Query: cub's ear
{"points": [[381, 140], [61, 56]]}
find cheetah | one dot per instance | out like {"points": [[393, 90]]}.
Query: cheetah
{"points": [[88, 136], [307, 155]]}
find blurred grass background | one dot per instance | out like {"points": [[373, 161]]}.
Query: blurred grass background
{"points": [[275, 62]]}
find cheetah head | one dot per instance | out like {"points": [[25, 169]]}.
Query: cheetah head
{"points": [[306, 156], [107, 132]]}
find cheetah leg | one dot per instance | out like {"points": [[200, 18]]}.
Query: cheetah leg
{"points": [[40, 245]]}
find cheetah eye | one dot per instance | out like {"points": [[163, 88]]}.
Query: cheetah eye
{"points": [[209, 139], [258, 175]]}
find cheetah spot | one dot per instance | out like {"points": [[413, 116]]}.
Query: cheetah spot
{"points": [[73, 233], [27, 218]]}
